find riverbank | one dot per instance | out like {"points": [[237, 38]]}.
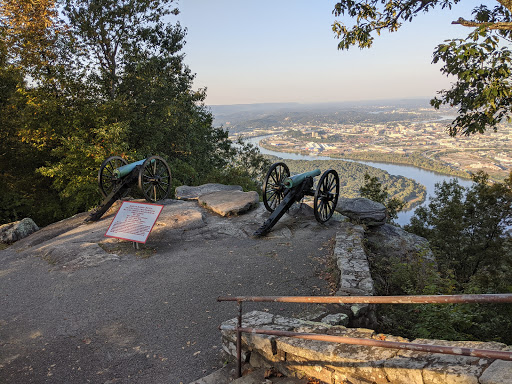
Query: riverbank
{"points": [[415, 160], [425, 177], [352, 173]]}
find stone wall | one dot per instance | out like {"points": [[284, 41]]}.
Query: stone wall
{"points": [[355, 277], [336, 363]]}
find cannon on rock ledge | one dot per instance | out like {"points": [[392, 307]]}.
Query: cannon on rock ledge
{"points": [[116, 177], [281, 191]]}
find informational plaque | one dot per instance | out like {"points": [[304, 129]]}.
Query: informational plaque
{"points": [[134, 221]]}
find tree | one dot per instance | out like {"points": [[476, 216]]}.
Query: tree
{"points": [[482, 91], [373, 190], [116, 84], [110, 33], [23, 191], [30, 29], [467, 230]]}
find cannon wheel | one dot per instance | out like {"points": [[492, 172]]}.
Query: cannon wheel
{"points": [[106, 179], [155, 179], [273, 188], [326, 195]]}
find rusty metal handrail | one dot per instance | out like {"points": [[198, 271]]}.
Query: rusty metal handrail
{"points": [[417, 299]]}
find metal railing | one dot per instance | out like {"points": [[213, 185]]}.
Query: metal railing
{"points": [[422, 299]]}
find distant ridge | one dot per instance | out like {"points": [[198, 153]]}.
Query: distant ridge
{"points": [[238, 116], [258, 107], [226, 110]]}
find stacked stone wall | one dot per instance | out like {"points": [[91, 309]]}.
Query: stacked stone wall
{"points": [[336, 363]]}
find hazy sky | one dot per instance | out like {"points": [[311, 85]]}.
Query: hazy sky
{"points": [[285, 51]]}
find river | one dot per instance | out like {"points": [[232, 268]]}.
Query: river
{"points": [[428, 178]]}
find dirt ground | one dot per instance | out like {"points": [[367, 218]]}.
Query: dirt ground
{"points": [[78, 307]]}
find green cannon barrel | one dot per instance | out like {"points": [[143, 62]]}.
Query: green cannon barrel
{"points": [[295, 180], [126, 169]]}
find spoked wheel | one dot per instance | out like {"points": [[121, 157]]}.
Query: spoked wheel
{"points": [[273, 188], [106, 178], [326, 195], [155, 179]]}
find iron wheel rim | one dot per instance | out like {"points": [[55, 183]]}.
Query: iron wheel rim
{"points": [[326, 195], [107, 180], [273, 188], [155, 179]]}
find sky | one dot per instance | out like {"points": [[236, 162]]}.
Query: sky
{"points": [[270, 51]]}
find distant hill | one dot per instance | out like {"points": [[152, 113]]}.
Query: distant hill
{"points": [[262, 108], [244, 117]]}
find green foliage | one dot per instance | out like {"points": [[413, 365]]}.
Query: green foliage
{"points": [[116, 84], [246, 156], [30, 29], [482, 92], [465, 228], [373, 190], [246, 167], [19, 183], [409, 275]]}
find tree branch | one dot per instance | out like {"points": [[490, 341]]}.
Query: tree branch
{"points": [[506, 3], [474, 24]]}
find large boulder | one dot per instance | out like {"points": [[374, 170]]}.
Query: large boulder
{"points": [[394, 242], [12, 232], [186, 192], [230, 203], [362, 211]]}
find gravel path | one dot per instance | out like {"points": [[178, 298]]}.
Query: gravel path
{"points": [[151, 317]]}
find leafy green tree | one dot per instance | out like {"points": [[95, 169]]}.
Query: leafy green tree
{"points": [[114, 84], [113, 33], [466, 228], [131, 57], [30, 29], [373, 190], [246, 167], [480, 63]]}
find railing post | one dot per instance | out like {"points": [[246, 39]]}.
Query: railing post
{"points": [[239, 340]]}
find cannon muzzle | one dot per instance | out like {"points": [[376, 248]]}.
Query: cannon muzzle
{"points": [[295, 180]]}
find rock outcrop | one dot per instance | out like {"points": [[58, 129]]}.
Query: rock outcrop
{"points": [[362, 211], [229, 203], [355, 278], [394, 242], [12, 232], [185, 192]]}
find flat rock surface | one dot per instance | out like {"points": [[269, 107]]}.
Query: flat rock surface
{"points": [[362, 211], [229, 203], [79, 307], [186, 192]]}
